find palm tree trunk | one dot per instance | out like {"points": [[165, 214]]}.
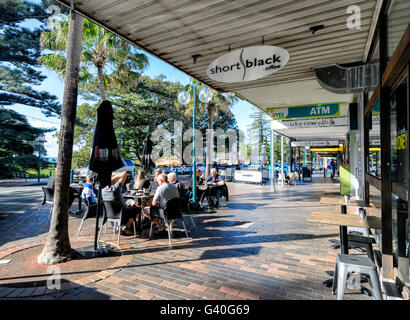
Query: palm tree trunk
{"points": [[209, 142], [58, 247], [101, 82]]}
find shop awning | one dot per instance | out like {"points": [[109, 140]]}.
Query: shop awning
{"points": [[175, 30]]}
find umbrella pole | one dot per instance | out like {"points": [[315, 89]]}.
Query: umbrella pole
{"points": [[95, 251], [97, 218]]}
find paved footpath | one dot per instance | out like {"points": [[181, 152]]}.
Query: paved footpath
{"points": [[259, 247]]}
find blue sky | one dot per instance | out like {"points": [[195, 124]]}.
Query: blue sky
{"points": [[55, 85]]}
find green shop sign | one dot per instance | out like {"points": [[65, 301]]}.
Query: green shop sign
{"points": [[308, 111]]}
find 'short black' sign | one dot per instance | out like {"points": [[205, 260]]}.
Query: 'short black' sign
{"points": [[248, 64]]}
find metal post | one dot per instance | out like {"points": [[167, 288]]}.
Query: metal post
{"points": [[304, 153], [272, 161], [281, 155], [290, 155], [193, 152], [39, 160], [344, 244], [99, 208]]}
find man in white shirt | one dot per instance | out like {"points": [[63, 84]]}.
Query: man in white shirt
{"points": [[165, 192], [88, 191]]}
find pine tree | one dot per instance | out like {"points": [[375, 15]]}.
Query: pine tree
{"points": [[19, 53], [17, 143]]}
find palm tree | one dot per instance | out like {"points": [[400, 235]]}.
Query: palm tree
{"points": [[114, 60], [58, 248], [219, 102]]}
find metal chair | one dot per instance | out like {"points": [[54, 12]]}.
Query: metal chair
{"points": [[153, 186], [359, 264], [113, 213], [185, 211], [48, 199], [171, 212], [91, 211]]}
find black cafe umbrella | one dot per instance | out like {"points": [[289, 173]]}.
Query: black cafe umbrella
{"points": [[147, 154], [105, 154]]}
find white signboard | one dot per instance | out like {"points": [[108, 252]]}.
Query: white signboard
{"points": [[309, 123], [248, 64], [314, 143], [248, 176]]}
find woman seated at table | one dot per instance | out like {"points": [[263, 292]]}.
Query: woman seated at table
{"points": [[199, 180], [142, 182]]}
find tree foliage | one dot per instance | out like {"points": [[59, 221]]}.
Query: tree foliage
{"points": [[107, 60], [18, 142], [139, 110], [19, 53]]}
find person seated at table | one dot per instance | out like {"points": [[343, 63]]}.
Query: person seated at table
{"points": [[292, 177], [200, 178], [113, 193], [166, 191], [287, 178], [127, 182], [88, 191], [172, 179], [157, 172], [215, 181], [51, 185], [142, 182]]}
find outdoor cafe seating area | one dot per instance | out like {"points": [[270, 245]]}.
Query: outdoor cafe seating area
{"points": [[359, 230], [182, 211]]}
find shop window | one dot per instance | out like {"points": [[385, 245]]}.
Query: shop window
{"points": [[374, 158], [398, 118], [400, 236]]}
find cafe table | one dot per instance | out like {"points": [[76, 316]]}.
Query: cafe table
{"points": [[138, 197], [340, 200], [78, 190], [207, 188]]}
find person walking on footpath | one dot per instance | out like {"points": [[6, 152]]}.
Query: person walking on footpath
{"points": [[332, 169]]}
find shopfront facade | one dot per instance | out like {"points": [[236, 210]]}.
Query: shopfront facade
{"points": [[386, 119]]}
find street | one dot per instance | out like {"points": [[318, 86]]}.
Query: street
{"points": [[15, 201]]}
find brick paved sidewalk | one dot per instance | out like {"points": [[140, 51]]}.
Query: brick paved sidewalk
{"points": [[260, 247]]}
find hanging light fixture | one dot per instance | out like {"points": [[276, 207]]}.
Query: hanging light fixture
{"points": [[184, 97], [205, 95]]}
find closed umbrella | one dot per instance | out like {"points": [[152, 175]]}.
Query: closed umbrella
{"points": [[147, 154], [105, 155]]}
